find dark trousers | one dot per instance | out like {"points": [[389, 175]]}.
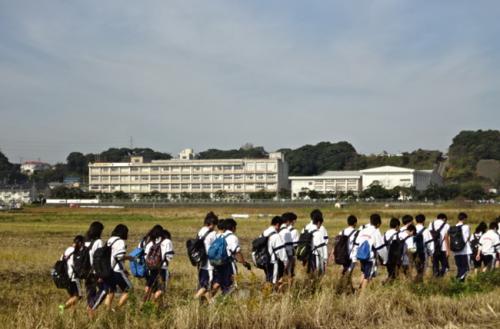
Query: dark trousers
{"points": [[419, 260], [439, 263], [462, 262]]}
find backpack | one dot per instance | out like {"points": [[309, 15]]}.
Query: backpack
{"points": [[457, 241], [260, 251], [304, 246], [60, 273], [419, 243], [217, 253], [138, 264], [154, 258], [196, 249], [364, 251], [436, 237], [102, 261], [474, 244], [395, 250], [341, 250], [81, 262]]}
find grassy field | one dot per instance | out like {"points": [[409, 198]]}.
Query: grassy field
{"points": [[31, 240]]}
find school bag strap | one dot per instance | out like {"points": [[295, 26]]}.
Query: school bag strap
{"points": [[205, 235]]}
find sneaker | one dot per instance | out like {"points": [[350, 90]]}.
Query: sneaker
{"points": [[61, 308]]}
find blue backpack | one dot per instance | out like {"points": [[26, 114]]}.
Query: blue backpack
{"points": [[217, 253], [364, 251], [138, 264]]}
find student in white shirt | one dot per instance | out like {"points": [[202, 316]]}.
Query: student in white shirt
{"points": [[319, 253], [441, 245], [74, 290], [424, 247], [119, 278], [205, 270], [277, 250], [351, 233], [407, 220], [157, 278], [489, 247], [291, 240], [481, 228], [96, 291], [389, 236], [371, 234], [462, 257]]}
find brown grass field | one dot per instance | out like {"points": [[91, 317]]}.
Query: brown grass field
{"points": [[31, 240]]}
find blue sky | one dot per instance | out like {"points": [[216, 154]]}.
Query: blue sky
{"points": [[381, 74]]}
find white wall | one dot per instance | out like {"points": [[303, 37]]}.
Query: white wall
{"points": [[388, 180]]}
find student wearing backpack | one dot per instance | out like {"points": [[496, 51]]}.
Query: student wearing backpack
{"points": [[423, 247], [390, 236], [344, 244], [205, 270], [96, 290], [317, 258], [439, 232], [322, 228], [368, 245], [159, 252], [407, 221], [290, 219], [459, 242], [278, 258], [73, 288], [119, 276], [474, 244], [489, 247]]}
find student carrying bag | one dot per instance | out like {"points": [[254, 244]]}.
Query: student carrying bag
{"points": [[457, 241], [217, 253], [59, 273], [304, 246], [102, 261], [154, 258], [341, 250], [436, 237], [138, 263], [260, 251], [196, 249], [81, 262]]}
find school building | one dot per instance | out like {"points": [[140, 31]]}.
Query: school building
{"points": [[189, 175]]}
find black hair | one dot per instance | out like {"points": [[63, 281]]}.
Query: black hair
{"points": [[420, 218], [494, 225], [412, 229], [221, 224], [442, 216], [462, 216], [352, 220], [95, 230], [375, 220], [317, 215], [276, 220], [230, 224], [288, 217], [406, 219], [79, 239], [481, 228], [394, 222], [165, 234], [120, 231], [155, 233], [211, 219]]}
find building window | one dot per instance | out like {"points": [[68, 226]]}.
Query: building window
{"points": [[260, 176], [228, 167], [217, 186], [185, 186], [196, 186], [165, 186], [175, 177], [175, 186], [249, 177], [271, 176], [145, 178], [164, 177], [165, 169], [134, 169], [116, 178], [114, 170], [155, 168], [196, 177], [94, 187], [94, 178], [206, 186], [206, 177], [228, 176], [155, 177], [155, 187], [176, 169], [238, 176], [238, 167], [185, 177]]}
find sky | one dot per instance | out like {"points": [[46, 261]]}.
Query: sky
{"points": [[394, 75]]}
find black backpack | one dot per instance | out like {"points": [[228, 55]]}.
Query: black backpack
{"points": [[60, 273], [196, 249], [420, 243], [260, 251], [395, 249], [474, 244], [436, 237], [102, 261], [457, 241], [304, 246], [341, 250], [81, 262]]}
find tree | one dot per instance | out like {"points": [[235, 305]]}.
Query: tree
{"points": [[473, 191], [246, 151], [377, 192], [77, 163]]}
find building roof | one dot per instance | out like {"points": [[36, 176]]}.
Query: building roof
{"points": [[341, 173], [384, 169], [329, 175]]}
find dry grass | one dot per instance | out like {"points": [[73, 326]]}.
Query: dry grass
{"points": [[31, 240]]}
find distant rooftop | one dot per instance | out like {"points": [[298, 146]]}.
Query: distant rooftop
{"points": [[341, 173]]}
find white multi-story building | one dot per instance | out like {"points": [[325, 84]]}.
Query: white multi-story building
{"points": [[328, 182], [30, 167], [190, 175], [389, 177], [17, 194]]}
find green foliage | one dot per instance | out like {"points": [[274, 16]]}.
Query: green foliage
{"points": [[123, 155], [10, 173], [63, 192], [419, 159], [377, 192], [261, 195], [473, 191], [242, 153]]}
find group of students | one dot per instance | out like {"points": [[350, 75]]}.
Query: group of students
{"points": [[216, 249]]}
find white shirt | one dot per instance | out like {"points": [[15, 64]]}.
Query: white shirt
{"points": [[427, 237], [436, 224], [68, 256], [319, 245], [233, 243], [275, 245], [466, 233], [371, 234], [351, 233], [286, 236], [322, 231], [209, 239], [489, 244], [167, 251], [96, 244], [118, 252], [295, 235]]}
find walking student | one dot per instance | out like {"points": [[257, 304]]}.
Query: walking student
{"points": [[159, 252], [424, 247], [407, 231], [276, 249], [489, 247], [459, 241], [74, 289], [345, 248], [96, 289], [119, 278], [481, 228], [389, 236], [319, 256], [286, 236], [439, 232], [205, 270], [290, 219]]}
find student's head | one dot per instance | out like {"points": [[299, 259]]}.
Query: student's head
{"points": [[407, 219], [78, 241], [352, 220], [230, 224], [289, 218], [155, 233], [120, 231], [276, 221], [462, 216], [375, 220], [316, 215], [494, 225], [95, 230], [394, 223], [411, 230], [443, 217], [211, 220], [221, 225], [481, 228], [420, 218], [165, 234]]}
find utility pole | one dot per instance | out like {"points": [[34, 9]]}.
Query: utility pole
{"points": [[131, 142]]}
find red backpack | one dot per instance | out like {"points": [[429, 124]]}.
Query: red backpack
{"points": [[154, 258]]}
